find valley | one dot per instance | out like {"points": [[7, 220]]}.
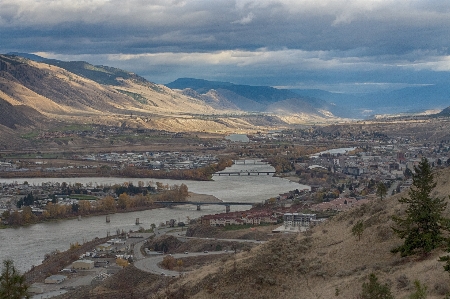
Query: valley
{"points": [[64, 124]]}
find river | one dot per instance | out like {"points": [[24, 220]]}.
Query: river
{"points": [[26, 246]]}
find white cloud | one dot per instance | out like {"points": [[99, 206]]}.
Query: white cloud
{"points": [[277, 36], [245, 20], [291, 58]]}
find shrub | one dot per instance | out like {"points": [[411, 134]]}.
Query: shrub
{"points": [[375, 290]]}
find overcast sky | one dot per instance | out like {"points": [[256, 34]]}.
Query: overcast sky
{"points": [[353, 45]]}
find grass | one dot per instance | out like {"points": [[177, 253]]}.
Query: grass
{"points": [[30, 135], [73, 127], [134, 95], [244, 226]]}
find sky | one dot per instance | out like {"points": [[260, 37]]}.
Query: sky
{"points": [[339, 46]]}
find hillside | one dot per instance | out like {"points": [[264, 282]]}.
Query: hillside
{"points": [[326, 261], [444, 112], [77, 92], [12, 116], [248, 98], [415, 99]]}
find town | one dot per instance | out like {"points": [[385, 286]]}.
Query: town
{"points": [[333, 170], [347, 171]]}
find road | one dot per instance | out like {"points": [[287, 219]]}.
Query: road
{"points": [[150, 264]]}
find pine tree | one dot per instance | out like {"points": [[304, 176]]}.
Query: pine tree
{"points": [[357, 229], [375, 290], [381, 190], [423, 225], [12, 284]]}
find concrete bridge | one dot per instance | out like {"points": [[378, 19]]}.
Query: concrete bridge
{"points": [[199, 204], [246, 172]]}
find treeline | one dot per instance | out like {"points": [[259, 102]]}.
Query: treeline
{"points": [[108, 204], [197, 174], [291, 154]]}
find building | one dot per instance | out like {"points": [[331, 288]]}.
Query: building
{"points": [[104, 247], [298, 219], [83, 264]]}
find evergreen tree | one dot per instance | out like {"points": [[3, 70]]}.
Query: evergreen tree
{"points": [[357, 229], [12, 284], [423, 225], [381, 190], [375, 290]]}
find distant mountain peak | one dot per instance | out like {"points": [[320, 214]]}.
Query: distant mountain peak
{"points": [[254, 98]]}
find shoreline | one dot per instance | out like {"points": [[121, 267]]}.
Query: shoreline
{"points": [[196, 197], [33, 175]]}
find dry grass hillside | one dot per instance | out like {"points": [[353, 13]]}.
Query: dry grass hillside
{"points": [[64, 96], [327, 262], [59, 95]]}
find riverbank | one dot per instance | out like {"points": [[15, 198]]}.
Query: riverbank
{"points": [[194, 197], [198, 174], [57, 260]]}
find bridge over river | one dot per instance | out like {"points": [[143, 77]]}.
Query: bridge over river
{"points": [[199, 204], [243, 172], [250, 162]]}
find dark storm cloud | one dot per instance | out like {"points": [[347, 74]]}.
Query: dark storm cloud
{"points": [[285, 41]]}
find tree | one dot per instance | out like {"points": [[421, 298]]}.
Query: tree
{"points": [[183, 192], [12, 284], [375, 290], [358, 229], [408, 173], [169, 262], [124, 201], [381, 190], [423, 225], [420, 291]]}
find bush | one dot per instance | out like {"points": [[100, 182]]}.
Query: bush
{"points": [[421, 291]]}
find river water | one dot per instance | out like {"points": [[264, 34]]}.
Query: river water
{"points": [[26, 246]]}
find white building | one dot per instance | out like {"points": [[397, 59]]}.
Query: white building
{"points": [[83, 264], [298, 219]]}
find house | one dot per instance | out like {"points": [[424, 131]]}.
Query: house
{"points": [[55, 279], [83, 264]]}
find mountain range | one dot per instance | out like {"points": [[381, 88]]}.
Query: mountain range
{"points": [[46, 90], [413, 99], [253, 98], [39, 91]]}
